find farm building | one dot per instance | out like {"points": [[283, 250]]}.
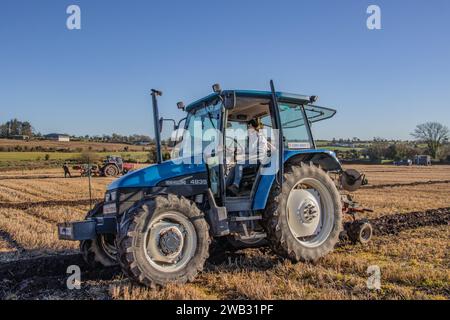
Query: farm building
{"points": [[57, 137]]}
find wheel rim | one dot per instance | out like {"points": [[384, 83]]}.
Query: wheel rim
{"points": [[365, 233], [310, 212], [108, 245], [170, 242], [110, 171]]}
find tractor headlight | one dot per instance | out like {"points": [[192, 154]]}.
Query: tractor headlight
{"points": [[110, 196], [110, 204]]}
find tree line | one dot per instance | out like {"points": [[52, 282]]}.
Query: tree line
{"points": [[135, 138], [433, 135], [15, 127], [431, 138]]}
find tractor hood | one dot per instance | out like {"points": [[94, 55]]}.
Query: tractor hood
{"points": [[150, 176]]}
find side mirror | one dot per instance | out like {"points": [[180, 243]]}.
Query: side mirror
{"points": [[161, 122], [229, 100]]}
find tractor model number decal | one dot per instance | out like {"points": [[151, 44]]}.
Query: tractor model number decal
{"points": [[299, 145], [186, 182], [198, 181]]}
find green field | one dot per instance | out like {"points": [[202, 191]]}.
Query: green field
{"points": [[11, 157], [339, 148], [321, 144]]}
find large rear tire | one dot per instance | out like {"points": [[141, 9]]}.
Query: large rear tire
{"points": [[303, 220], [100, 251], [111, 170], [165, 240]]}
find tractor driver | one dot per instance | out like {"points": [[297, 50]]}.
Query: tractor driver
{"points": [[257, 154]]}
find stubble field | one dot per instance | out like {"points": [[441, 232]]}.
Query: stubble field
{"points": [[411, 246]]}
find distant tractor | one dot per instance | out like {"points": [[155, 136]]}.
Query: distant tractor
{"points": [[422, 160], [160, 223], [112, 166]]}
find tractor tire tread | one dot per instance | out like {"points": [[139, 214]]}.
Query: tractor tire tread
{"points": [[127, 249], [280, 238]]}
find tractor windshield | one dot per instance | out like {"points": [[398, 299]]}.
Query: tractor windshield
{"points": [[200, 131]]}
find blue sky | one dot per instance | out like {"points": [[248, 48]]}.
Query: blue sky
{"points": [[97, 80]]}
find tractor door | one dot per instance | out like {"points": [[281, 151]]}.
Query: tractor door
{"points": [[252, 168]]}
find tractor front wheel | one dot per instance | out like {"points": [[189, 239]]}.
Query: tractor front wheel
{"points": [[163, 240], [303, 219]]}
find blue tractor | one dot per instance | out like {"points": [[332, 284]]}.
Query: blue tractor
{"points": [[159, 223]]}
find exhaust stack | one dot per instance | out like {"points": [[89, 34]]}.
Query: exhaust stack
{"points": [[154, 94]]}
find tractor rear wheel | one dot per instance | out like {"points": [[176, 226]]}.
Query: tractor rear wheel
{"points": [[164, 240], [304, 219], [110, 170], [100, 251]]}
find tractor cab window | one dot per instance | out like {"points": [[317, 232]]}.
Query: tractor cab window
{"points": [[316, 113], [295, 131], [200, 132]]}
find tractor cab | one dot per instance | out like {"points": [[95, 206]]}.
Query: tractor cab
{"points": [[216, 134]]}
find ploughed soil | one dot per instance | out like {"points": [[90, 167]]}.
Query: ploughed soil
{"points": [[393, 224], [45, 277], [409, 184]]}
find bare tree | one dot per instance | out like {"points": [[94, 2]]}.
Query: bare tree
{"points": [[433, 134]]}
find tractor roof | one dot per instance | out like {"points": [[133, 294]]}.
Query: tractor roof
{"points": [[315, 113], [282, 96]]}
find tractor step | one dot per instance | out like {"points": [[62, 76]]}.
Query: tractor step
{"points": [[218, 216], [256, 235], [238, 204], [239, 219]]}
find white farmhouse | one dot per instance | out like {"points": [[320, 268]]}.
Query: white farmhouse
{"points": [[58, 137]]}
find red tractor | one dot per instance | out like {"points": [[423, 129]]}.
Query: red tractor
{"points": [[112, 166]]}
